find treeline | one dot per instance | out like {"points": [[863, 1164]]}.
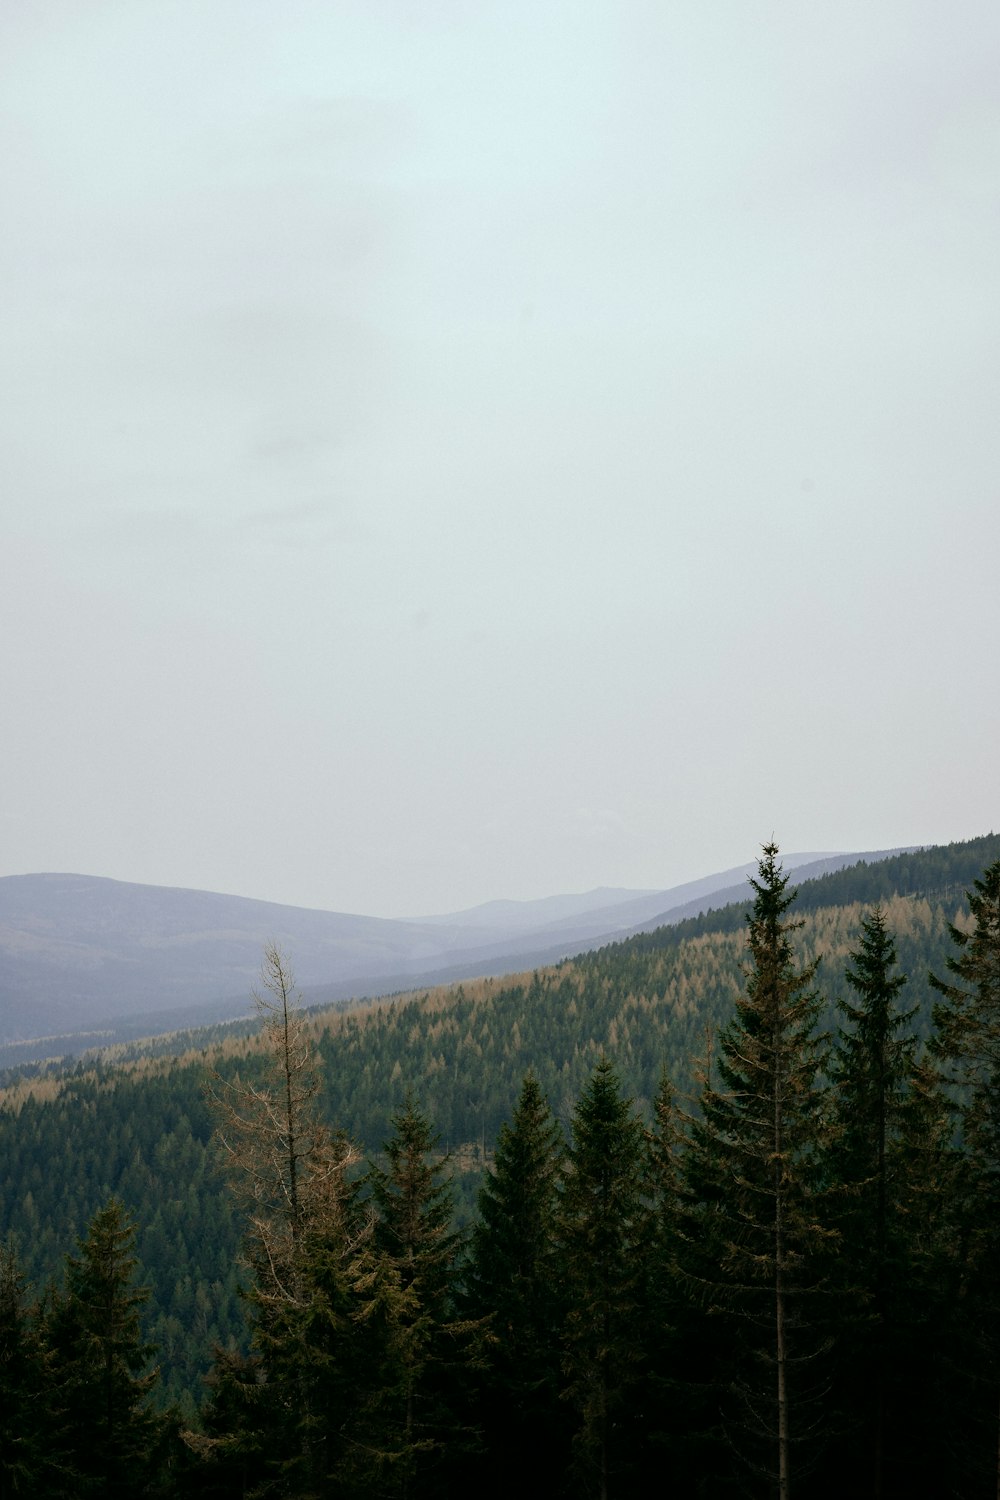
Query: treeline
{"points": [[142, 1129], [786, 1283]]}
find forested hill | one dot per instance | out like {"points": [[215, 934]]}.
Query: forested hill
{"points": [[939, 872], [88, 962], [141, 1128]]}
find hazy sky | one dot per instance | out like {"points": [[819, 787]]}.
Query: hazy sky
{"points": [[460, 450]]}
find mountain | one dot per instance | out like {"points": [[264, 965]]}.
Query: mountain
{"points": [[524, 916], [84, 958], [139, 1123]]}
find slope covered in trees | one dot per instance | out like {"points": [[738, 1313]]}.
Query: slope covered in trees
{"points": [[70, 1138], [785, 1286]]}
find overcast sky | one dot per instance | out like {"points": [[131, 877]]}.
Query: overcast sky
{"points": [[464, 450]]}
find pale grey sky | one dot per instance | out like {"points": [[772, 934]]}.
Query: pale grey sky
{"points": [[462, 450]]}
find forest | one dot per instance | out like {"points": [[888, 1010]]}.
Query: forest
{"points": [[712, 1211]]}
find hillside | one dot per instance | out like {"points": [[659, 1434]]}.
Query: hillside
{"points": [[141, 1127], [87, 961]]}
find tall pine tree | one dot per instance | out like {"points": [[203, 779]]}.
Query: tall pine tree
{"points": [[885, 1161], [511, 1279], [602, 1231], [26, 1460], [678, 1402], [418, 1428], [752, 1178], [966, 1043], [106, 1435]]}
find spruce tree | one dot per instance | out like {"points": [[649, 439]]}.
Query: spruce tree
{"points": [[602, 1234], [106, 1434], [678, 1401], [966, 1043], [228, 1455], [25, 1379], [885, 1161], [416, 1430], [752, 1175], [967, 1018], [511, 1279]]}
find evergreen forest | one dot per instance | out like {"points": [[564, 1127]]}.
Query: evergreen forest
{"points": [[712, 1211]]}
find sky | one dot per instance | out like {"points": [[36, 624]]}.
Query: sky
{"points": [[452, 451]]}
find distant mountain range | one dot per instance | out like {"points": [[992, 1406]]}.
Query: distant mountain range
{"points": [[86, 960]]}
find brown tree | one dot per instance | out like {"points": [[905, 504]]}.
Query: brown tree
{"points": [[307, 1239]]}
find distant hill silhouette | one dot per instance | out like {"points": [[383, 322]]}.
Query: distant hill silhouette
{"points": [[80, 953]]}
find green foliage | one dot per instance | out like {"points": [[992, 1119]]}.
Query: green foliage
{"points": [[754, 1174], [143, 1137], [602, 1225], [26, 1467], [418, 1429], [513, 1279], [968, 1016], [511, 1271], [967, 1046], [887, 1164], [69, 1137], [105, 1433], [679, 1398]]}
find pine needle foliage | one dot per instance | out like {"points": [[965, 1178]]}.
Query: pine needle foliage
{"points": [[105, 1434], [418, 1432], [753, 1176], [967, 1018], [967, 1047], [602, 1230], [887, 1163], [512, 1280], [26, 1378]]}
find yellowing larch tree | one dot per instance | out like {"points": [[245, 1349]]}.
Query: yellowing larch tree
{"points": [[307, 1240]]}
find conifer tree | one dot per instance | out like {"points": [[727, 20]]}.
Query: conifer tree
{"points": [[511, 1279], [106, 1434], [752, 1178], [885, 1160], [966, 1043], [228, 1455], [307, 1239], [25, 1436], [602, 1231], [416, 1428], [967, 1018], [679, 1403], [285, 1164]]}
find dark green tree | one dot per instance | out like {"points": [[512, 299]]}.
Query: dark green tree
{"points": [[227, 1454], [511, 1279], [418, 1430], [966, 1043], [886, 1161], [967, 1018], [602, 1234], [106, 1434], [753, 1176], [678, 1400], [25, 1378]]}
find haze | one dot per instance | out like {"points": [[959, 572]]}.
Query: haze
{"points": [[459, 451]]}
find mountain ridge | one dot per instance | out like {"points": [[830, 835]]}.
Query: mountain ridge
{"points": [[85, 953]]}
